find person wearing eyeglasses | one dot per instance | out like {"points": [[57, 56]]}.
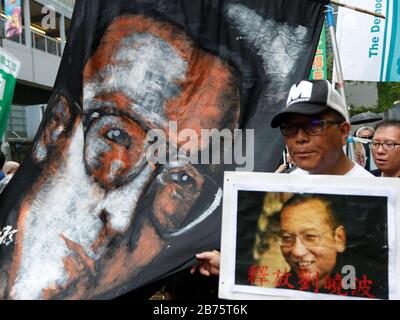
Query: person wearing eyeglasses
{"points": [[315, 126], [311, 238], [385, 148]]}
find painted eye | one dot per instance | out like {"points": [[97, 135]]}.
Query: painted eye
{"points": [[114, 150], [119, 136], [181, 178]]}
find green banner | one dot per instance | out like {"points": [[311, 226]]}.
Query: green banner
{"points": [[9, 68], [319, 68]]}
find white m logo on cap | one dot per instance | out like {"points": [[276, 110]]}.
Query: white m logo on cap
{"points": [[302, 92]]}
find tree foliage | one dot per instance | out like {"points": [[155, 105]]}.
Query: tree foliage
{"points": [[389, 93]]}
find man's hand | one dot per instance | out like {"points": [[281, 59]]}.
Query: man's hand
{"points": [[282, 168], [208, 263]]}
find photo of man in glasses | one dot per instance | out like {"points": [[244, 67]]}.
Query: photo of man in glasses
{"points": [[314, 245], [311, 239], [315, 126], [334, 244]]}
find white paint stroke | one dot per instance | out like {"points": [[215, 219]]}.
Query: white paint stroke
{"points": [[280, 46]]}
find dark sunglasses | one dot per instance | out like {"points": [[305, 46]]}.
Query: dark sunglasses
{"points": [[311, 127]]}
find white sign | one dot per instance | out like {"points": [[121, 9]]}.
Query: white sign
{"points": [[369, 47], [318, 237]]}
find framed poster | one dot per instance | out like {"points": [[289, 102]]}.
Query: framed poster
{"points": [[318, 237]]}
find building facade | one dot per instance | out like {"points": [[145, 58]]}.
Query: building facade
{"points": [[39, 48]]}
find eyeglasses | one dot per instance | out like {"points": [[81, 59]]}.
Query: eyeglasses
{"points": [[387, 146], [307, 238], [312, 127]]}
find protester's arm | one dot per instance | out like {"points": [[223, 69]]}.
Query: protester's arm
{"points": [[208, 263]]}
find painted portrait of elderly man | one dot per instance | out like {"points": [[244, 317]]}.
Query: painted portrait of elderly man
{"points": [[94, 215]]}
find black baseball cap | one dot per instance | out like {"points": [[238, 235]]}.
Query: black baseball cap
{"points": [[311, 97]]}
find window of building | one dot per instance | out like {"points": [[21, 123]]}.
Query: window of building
{"points": [[67, 23], [45, 37], [16, 125]]}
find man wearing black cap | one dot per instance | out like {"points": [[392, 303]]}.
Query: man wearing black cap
{"points": [[315, 125]]}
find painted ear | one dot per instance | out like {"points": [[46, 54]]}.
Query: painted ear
{"points": [[54, 129]]}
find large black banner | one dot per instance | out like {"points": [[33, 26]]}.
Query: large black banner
{"points": [[111, 196]]}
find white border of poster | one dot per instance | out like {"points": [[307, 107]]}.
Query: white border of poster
{"points": [[320, 184]]}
